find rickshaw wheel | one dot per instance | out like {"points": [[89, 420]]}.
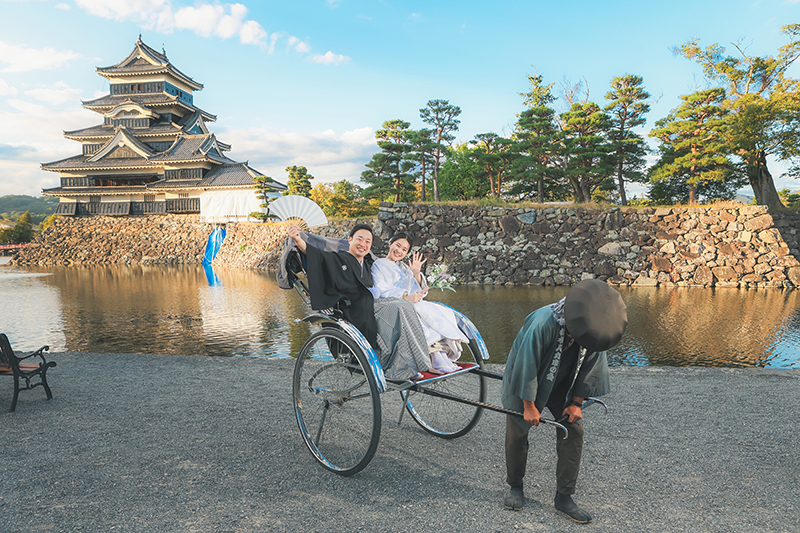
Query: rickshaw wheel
{"points": [[336, 402], [446, 418]]}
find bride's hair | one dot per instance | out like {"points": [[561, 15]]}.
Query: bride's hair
{"points": [[398, 236]]}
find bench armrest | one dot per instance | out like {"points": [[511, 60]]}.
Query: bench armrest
{"points": [[37, 353]]}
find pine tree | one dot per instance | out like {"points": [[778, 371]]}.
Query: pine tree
{"points": [[589, 166], [537, 143], [764, 106], [299, 182], [627, 109], [263, 190], [694, 137], [388, 172], [443, 118]]}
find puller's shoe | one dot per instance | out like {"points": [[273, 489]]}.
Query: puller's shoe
{"points": [[514, 498], [566, 505]]}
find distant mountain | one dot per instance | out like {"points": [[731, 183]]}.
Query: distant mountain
{"points": [[14, 205]]}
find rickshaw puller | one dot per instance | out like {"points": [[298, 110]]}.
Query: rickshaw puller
{"points": [[558, 359]]}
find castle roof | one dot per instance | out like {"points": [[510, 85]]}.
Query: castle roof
{"points": [[108, 102], [193, 148], [144, 61]]}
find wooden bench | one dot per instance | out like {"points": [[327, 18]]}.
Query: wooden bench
{"points": [[11, 365]]}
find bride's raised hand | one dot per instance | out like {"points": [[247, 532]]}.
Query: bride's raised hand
{"points": [[416, 263]]}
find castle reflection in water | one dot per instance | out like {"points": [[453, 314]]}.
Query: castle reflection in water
{"points": [[188, 311]]}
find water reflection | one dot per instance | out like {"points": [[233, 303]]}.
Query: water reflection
{"points": [[187, 310]]}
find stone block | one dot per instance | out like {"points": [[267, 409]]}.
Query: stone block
{"points": [[770, 235], [703, 276], [645, 281], [725, 273], [758, 223], [611, 249], [660, 264]]}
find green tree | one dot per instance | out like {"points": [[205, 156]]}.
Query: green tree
{"points": [[764, 105], [493, 154], [442, 116], [538, 140], [47, 222], [22, 231], [299, 181], [668, 189], [627, 108], [460, 177], [588, 163], [421, 154], [343, 199], [694, 137], [388, 172], [263, 186]]}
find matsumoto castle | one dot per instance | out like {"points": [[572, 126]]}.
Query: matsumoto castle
{"points": [[153, 153]]}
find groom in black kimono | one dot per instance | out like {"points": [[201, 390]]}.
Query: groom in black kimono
{"points": [[337, 276]]}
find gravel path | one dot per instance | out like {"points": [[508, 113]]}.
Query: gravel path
{"points": [[156, 443]]}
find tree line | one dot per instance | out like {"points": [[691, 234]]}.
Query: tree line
{"points": [[713, 143], [716, 141]]}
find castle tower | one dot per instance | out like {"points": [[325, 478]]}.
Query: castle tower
{"points": [[153, 153]]}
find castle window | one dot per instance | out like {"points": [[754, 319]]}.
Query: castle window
{"points": [[183, 195], [94, 199], [149, 197]]}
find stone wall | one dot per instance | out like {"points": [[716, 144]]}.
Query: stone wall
{"points": [[170, 239], [722, 246]]}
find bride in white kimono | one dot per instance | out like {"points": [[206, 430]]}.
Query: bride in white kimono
{"points": [[392, 278]]}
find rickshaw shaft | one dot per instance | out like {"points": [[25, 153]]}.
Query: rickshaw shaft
{"points": [[489, 406]]}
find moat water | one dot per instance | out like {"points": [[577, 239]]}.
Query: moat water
{"points": [[228, 312]]}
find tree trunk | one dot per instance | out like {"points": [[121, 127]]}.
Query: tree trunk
{"points": [[587, 197], [692, 194], [762, 183], [621, 182], [423, 180], [436, 181], [540, 191]]}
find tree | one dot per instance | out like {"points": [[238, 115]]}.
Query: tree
{"points": [[343, 199], [493, 155], [460, 176], [421, 153], [669, 189], [764, 106], [627, 109], [388, 170], [263, 188], [21, 232], [443, 118], [537, 141], [299, 181], [588, 164], [693, 136]]}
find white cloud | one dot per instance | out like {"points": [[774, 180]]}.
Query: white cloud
{"points": [[327, 155], [298, 45], [56, 95], [63, 7], [21, 58], [253, 33], [329, 58], [6, 89], [204, 19], [141, 11], [33, 134]]}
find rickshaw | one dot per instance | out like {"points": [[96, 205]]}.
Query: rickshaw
{"points": [[338, 381]]}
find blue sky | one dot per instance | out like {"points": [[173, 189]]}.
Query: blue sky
{"points": [[308, 82]]}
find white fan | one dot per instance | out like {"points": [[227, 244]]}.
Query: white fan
{"points": [[298, 209]]}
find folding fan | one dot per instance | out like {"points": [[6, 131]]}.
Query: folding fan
{"points": [[298, 209]]}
